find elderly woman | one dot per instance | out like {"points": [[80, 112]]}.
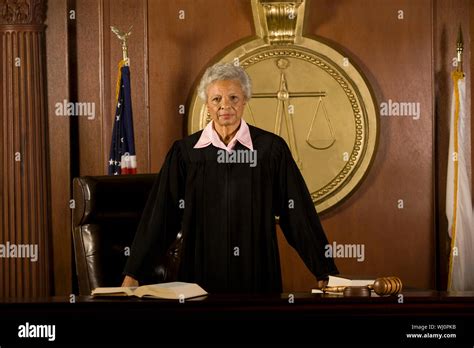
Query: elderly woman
{"points": [[224, 205]]}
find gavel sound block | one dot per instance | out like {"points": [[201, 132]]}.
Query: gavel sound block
{"points": [[385, 286]]}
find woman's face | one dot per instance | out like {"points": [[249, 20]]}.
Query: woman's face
{"points": [[225, 102]]}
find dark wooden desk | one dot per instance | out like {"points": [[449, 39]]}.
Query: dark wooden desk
{"points": [[229, 318]]}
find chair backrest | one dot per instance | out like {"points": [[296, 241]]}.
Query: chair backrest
{"points": [[106, 215]]}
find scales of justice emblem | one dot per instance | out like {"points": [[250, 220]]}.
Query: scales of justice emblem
{"points": [[308, 93]]}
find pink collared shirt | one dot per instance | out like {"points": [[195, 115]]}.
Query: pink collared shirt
{"points": [[210, 136]]}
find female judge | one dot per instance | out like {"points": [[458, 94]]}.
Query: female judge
{"points": [[222, 187]]}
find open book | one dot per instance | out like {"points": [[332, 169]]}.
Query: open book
{"points": [[340, 281], [170, 291]]}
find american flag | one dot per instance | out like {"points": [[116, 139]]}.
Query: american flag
{"points": [[122, 159]]}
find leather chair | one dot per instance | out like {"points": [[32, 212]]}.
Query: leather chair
{"points": [[106, 215]]}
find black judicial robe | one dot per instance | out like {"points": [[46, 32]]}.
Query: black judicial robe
{"points": [[227, 214]]}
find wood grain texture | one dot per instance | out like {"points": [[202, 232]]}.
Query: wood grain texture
{"points": [[89, 16], [59, 144], [24, 162]]}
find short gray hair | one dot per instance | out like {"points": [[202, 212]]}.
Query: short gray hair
{"points": [[225, 71]]}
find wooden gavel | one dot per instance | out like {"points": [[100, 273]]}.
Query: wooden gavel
{"points": [[384, 286]]}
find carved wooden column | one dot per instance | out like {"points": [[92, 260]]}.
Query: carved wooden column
{"points": [[24, 182]]}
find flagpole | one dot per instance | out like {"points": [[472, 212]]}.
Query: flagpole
{"points": [[459, 50]]}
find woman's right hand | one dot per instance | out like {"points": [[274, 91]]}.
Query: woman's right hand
{"points": [[129, 281]]}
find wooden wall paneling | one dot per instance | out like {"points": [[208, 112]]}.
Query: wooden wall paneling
{"points": [[105, 113], [3, 165], [89, 62], [59, 144]]}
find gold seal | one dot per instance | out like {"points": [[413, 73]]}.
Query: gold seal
{"points": [[311, 95]]}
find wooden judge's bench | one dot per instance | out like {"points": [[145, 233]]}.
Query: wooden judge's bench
{"points": [[414, 317]]}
